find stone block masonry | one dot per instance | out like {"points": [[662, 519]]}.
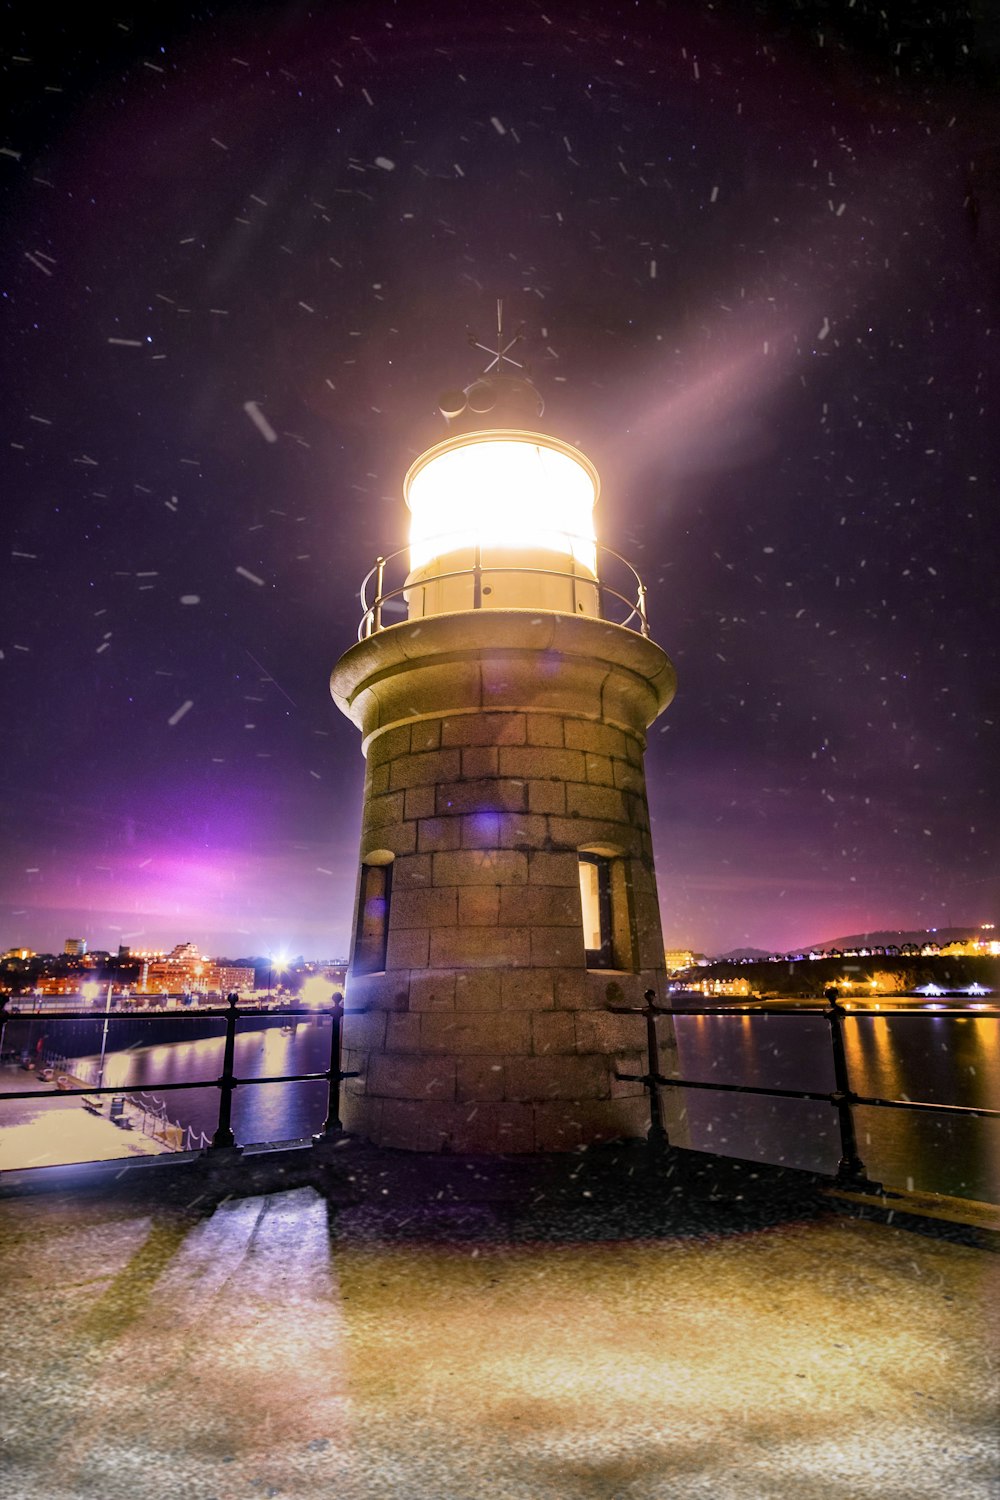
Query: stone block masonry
{"points": [[499, 750]]}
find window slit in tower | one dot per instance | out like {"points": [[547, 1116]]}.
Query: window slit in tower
{"points": [[595, 903], [373, 919]]}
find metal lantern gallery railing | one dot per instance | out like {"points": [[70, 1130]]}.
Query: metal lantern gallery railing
{"points": [[385, 601]]}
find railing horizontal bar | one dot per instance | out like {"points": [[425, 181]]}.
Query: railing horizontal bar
{"points": [[951, 1010], [130, 1088], [720, 1010], [578, 578], [921, 1105], [828, 1098], [121, 1088], [488, 568], [115, 1015], [287, 1078], [446, 541], [200, 1011], [732, 1088], [419, 583], [545, 573], [806, 1010]]}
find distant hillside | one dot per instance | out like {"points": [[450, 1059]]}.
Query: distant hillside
{"points": [[883, 938], [735, 954], [895, 939]]}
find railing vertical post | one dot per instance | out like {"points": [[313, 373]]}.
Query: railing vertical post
{"points": [[377, 606], [850, 1168], [641, 603], [657, 1136], [332, 1125], [477, 579], [223, 1136]]}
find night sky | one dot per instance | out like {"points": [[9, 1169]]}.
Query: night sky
{"points": [[755, 252]]}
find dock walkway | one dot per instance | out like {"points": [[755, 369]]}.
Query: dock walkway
{"points": [[63, 1130]]}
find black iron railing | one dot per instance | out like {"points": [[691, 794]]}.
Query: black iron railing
{"points": [[628, 610], [227, 1081], [851, 1170]]}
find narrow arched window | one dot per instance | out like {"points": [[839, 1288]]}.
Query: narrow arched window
{"points": [[595, 904], [373, 919]]}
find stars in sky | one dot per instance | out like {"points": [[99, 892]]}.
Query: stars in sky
{"points": [[755, 256]]}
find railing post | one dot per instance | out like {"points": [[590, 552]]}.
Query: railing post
{"points": [[223, 1136], [477, 579], [377, 606], [641, 603], [657, 1136], [332, 1126], [851, 1171]]}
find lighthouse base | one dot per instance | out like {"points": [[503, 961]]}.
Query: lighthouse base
{"points": [[521, 1076]]}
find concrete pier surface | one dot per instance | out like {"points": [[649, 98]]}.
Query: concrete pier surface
{"points": [[352, 1323]]}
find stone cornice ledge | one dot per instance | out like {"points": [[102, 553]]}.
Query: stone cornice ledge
{"points": [[461, 645]]}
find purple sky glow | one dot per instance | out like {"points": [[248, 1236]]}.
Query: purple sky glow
{"points": [[756, 256]]}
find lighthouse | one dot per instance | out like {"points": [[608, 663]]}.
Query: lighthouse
{"points": [[503, 682]]}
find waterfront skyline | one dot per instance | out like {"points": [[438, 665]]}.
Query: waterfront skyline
{"points": [[965, 938], [756, 263]]}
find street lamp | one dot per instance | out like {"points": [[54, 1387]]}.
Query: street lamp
{"points": [[274, 965], [90, 992], [104, 1039]]}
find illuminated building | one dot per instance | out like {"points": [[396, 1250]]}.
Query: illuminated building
{"points": [[186, 971], [231, 977], [75, 947], [48, 984], [682, 958], [503, 685], [984, 945], [720, 986]]}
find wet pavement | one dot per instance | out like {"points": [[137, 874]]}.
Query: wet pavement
{"points": [[351, 1323]]}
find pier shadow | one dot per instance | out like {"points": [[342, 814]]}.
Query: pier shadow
{"points": [[617, 1192], [621, 1191]]}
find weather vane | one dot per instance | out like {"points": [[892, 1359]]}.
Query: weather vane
{"points": [[500, 355]]}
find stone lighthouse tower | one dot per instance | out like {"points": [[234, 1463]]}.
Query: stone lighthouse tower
{"points": [[503, 683]]}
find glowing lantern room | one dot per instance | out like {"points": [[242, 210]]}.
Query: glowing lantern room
{"points": [[502, 518]]}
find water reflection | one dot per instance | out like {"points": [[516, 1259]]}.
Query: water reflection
{"points": [[938, 1059], [261, 1112], [932, 1058]]}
